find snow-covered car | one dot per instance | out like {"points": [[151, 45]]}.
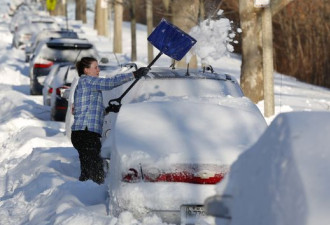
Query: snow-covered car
{"points": [[25, 31], [55, 51], [20, 17], [58, 80], [45, 35], [174, 138], [282, 178]]}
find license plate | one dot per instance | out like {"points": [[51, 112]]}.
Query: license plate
{"points": [[190, 213]]}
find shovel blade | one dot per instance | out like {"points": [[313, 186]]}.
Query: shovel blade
{"points": [[170, 40]]}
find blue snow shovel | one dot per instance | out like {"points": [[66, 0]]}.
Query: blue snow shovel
{"points": [[168, 39]]}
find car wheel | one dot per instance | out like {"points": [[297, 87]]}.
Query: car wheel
{"points": [[34, 90]]}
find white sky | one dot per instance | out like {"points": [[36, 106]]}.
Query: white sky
{"points": [[39, 167]]}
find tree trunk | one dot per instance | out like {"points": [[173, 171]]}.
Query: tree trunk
{"points": [[185, 16], [133, 30], [252, 81], [60, 9], [251, 68], [81, 10], [118, 20], [201, 10], [150, 29], [101, 17], [96, 19], [278, 5]]}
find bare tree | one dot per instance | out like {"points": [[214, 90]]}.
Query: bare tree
{"points": [[304, 50], [150, 29], [101, 17], [60, 9], [185, 16], [81, 10], [118, 20], [133, 29], [251, 71]]}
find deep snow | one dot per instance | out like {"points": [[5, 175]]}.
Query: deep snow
{"points": [[39, 167]]}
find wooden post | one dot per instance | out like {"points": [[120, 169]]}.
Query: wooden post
{"points": [[150, 29], [268, 64], [133, 31], [117, 33], [267, 56]]}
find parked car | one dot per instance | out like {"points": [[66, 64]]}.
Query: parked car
{"points": [[21, 16], [25, 31], [52, 52], [282, 178], [58, 80], [46, 34], [23, 13], [174, 138]]}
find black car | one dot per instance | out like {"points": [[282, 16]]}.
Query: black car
{"points": [[54, 51]]}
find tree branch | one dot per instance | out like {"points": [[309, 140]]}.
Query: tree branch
{"points": [[278, 5]]}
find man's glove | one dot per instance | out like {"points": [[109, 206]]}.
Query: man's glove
{"points": [[142, 71]]}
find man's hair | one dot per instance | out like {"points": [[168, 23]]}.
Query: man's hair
{"points": [[85, 62]]}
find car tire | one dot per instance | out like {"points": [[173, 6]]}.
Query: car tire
{"points": [[34, 90]]}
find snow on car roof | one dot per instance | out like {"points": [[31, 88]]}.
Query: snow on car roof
{"points": [[162, 72], [68, 40]]}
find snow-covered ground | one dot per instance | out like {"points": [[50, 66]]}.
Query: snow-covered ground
{"points": [[39, 167]]}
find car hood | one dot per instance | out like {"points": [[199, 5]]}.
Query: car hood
{"points": [[163, 132]]}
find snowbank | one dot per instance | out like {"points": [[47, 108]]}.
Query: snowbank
{"points": [[283, 178]]}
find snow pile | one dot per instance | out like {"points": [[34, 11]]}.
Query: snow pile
{"points": [[283, 178], [214, 39]]}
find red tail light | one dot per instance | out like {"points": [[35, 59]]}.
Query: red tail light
{"points": [[189, 176], [186, 177], [61, 107], [43, 65], [50, 91], [58, 90]]}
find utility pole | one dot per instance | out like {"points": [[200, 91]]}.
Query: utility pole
{"points": [[267, 56], [133, 30], [150, 29], [118, 20]]}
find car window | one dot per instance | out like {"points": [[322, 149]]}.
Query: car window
{"points": [[64, 55]]}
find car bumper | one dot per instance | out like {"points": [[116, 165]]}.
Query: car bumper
{"points": [[163, 199]]}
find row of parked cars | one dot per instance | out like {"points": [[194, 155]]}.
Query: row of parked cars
{"points": [[174, 138], [51, 50]]}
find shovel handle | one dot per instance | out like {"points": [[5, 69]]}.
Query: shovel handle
{"points": [[136, 80], [154, 60], [116, 107]]}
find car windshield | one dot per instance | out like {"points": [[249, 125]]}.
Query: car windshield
{"points": [[184, 88], [64, 55]]}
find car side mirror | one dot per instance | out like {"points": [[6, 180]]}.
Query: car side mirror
{"points": [[66, 94], [130, 65], [104, 60], [219, 206]]}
